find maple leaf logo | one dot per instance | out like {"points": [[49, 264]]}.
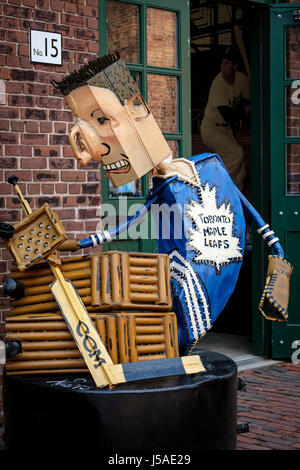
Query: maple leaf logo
{"points": [[212, 234]]}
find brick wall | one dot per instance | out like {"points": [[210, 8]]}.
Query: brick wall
{"points": [[34, 121]]}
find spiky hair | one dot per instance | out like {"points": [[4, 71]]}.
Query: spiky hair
{"points": [[80, 77]]}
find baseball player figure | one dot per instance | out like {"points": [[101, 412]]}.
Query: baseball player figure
{"points": [[228, 102]]}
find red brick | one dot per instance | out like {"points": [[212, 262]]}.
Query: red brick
{"points": [[8, 162], [87, 11], [53, 201], [56, 5], [45, 175], [14, 87], [75, 188], [10, 113], [7, 48], [47, 188], [74, 225], [7, 22], [34, 139], [8, 138], [67, 151], [12, 61], [57, 139], [70, 7], [44, 4], [72, 20], [94, 200], [17, 36], [34, 163], [32, 126], [82, 57], [4, 125], [65, 214], [91, 225], [34, 188], [46, 126], [92, 23], [46, 151], [61, 188], [88, 213], [34, 113], [73, 201], [26, 64], [24, 50], [94, 176], [92, 3], [18, 150], [73, 176], [47, 102], [21, 100], [86, 34], [60, 116], [65, 30], [22, 175], [44, 15], [5, 74], [61, 163], [23, 75], [68, 56], [75, 44], [36, 89], [60, 127]]}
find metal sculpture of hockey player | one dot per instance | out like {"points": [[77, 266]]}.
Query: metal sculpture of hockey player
{"points": [[115, 127]]}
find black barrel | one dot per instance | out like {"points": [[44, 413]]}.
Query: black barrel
{"points": [[182, 413]]}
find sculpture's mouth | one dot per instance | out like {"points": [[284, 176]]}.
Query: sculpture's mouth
{"points": [[121, 166]]}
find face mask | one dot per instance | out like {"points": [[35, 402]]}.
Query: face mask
{"points": [[115, 127]]}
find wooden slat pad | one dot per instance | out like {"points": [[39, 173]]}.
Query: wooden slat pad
{"points": [[47, 345], [105, 282]]}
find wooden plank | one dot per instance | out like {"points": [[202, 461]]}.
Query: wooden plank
{"points": [[95, 280], [125, 277], [115, 273], [123, 342], [82, 328], [112, 344]]}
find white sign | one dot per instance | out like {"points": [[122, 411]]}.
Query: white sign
{"points": [[212, 234], [45, 47]]}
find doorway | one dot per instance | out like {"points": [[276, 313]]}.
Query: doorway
{"points": [[216, 26]]}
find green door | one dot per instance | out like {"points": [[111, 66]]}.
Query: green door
{"points": [[153, 38], [285, 161]]}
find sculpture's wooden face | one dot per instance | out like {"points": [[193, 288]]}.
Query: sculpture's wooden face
{"points": [[116, 135], [97, 111]]}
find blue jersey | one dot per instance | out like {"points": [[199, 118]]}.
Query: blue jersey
{"points": [[201, 226]]}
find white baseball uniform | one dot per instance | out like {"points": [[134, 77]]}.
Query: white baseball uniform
{"points": [[216, 133]]}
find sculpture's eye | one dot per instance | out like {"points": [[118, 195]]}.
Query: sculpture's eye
{"points": [[102, 119]]}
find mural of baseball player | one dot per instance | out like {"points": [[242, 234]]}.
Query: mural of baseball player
{"points": [[228, 102]]}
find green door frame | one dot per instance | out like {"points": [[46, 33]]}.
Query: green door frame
{"points": [[284, 207], [267, 148], [183, 136], [260, 168]]}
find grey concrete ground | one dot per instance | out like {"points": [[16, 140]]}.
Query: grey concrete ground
{"points": [[238, 348]]}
